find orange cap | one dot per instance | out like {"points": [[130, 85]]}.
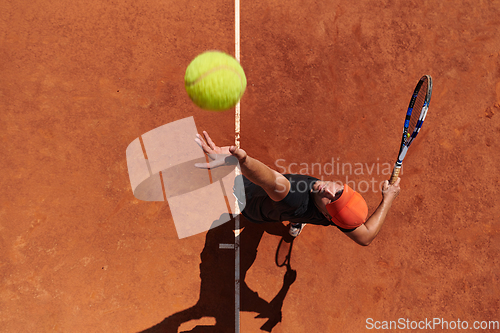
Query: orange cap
{"points": [[349, 211]]}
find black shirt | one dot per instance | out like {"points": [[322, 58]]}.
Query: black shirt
{"points": [[298, 205]]}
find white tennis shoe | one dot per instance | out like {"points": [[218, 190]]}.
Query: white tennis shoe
{"points": [[296, 229]]}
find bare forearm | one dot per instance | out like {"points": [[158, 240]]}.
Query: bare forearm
{"points": [[256, 171], [367, 232], [375, 222], [275, 184]]}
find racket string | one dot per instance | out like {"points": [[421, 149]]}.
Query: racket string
{"points": [[417, 108]]}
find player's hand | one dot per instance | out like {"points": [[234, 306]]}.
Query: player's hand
{"points": [[390, 192], [209, 147], [228, 155]]}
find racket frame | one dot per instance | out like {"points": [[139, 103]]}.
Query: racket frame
{"points": [[408, 138]]}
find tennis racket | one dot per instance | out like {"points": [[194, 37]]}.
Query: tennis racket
{"points": [[415, 116]]}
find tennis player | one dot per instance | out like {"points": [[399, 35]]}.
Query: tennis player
{"points": [[300, 199]]}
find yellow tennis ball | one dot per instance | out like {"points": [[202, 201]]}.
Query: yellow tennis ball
{"points": [[215, 81]]}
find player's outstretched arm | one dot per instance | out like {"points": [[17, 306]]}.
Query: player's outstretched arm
{"points": [[274, 183], [366, 233]]}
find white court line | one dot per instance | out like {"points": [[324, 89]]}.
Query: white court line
{"points": [[237, 207]]}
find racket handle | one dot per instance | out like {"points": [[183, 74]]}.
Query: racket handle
{"points": [[395, 174]]}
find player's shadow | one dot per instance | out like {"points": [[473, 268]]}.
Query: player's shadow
{"points": [[217, 272]]}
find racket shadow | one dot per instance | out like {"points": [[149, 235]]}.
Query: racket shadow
{"points": [[217, 273], [282, 258]]}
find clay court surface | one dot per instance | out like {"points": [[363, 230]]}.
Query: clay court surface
{"points": [[328, 82]]}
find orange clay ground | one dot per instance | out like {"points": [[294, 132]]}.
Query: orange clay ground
{"points": [[327, 81]]}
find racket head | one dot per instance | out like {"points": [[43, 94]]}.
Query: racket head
{"points": [[417, 109], [415, 114], [414, 119]]}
